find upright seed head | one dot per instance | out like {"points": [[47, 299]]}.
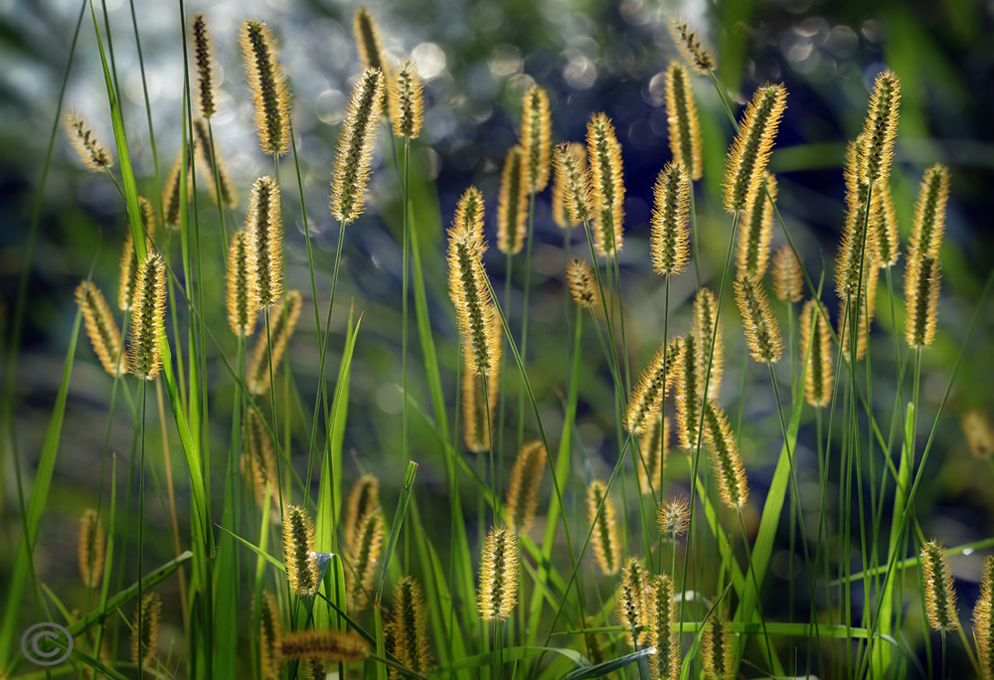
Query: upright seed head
{"points": [[323, 645], [647, 397], [693, 49], [750, 152], [259, 460], [102, 329], [526, 478], [572, 171], [90, 149], [725, 457], [270, 91], [880, 127], [688, 397], [498, 575], [145, 631], [91, 548], [788, 283], [921, 296], [479, 399], [940, 597], [762, 330], [410, 634], [148, 320], [171, 204], [299, 557], [816, 339], [407, 95], [674, 517], [129, 256], [608, 183], [883, 225], [671, 221], [719, 655], [867, 310], [607, 547], [631, 601], [663, 629], [368, 40], [684, 125], [983, 620], [212, 166], [536, 136], [979, 433], [369, 541], [561, 213], [512, 205], [280, 331], [363, 500], [654, 449], [583, 284], [242, 284], [709, 341], [930, 213], [858, 242], [355, 146], [205, 66], [270, 632], [265, 226], [756, 230]]}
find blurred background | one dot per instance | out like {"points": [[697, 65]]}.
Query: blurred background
{"points": [[477, 58]]}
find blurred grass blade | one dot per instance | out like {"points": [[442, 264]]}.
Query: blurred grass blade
{"points": [[398, 520], [602, 669]]}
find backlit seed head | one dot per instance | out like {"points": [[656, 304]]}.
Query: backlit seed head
{"points": [[930, 213], [671, 221], [867, 311], [880, 127], [883, 225], [265, 226], [654, 448], [607, 183], [363, 500], [693, 49], [631, 601], [207, 75], [756, 230], [583, 284], [258, 459], [816, 339], [750, 152], [410, 644], [674, 517], [145, 629], [322, 645], [102, 329], [171, 198], [526, 479], [711, 347], [684, 125], [148, 320], [299, 557], [717, 649], [940, 597], [979, 433], [536, 136], [858, 247], [368, 41], [607, 547], [129, 256], [648, 395], [688, 397], [725, 457], [512, 205], [282, 325], [270, 92], [90, 149], [663, 629], [242, 284], [212, 167], [762, 330], [921, 297], [369, 541], [571, 167], [561, 213], [91, 548], [355, 146], [479, 397], [407, 95], [788, 282], [983, 620], [270, 632], [498, 575]]}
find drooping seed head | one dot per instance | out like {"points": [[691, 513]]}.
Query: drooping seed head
{"points": [[355, 146], [688, 397], [921, 297], [408, 626], [172, 198], [512, 205], [693, 49], [363, 499], [265, 226], [983, 620], [725, 457], [479, 400], [242, 284], [299, 557], [750, 152], [717, 649], [148, 318], [654, 448], [671, 221], [282, 325], [788, 282], [608, 184], [711, 347], [561, 213], [674, 517], [90, 149], [129, 256], [145, 631], [816, 339], [663, 629], [407, 95], [526, 479], [867, 310], [648, 395], [607, 547], [979, 433], [91, 548], [940, 596], [574, 174], [270, 92], [259, 460], [369, 541], [756, 230], [880, 127], [323, 645], [102, 329], [583, 284], [270, 632], [207, 75], [684, 125], [762, 330], [212, 166], [536, 136], [631, 601], [498, 575]]}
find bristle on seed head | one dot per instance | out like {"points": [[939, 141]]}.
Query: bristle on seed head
{"points": [[512, 204], [693, 49], [526, 479], [671, 221], [323, 645], [940, 596], [684, 125], [498, 575], [880, 127], [265, 226], [299, 557], [561, 212], [607, 184], [269, 348], [583, 284], [148, 319], [574, 175], [607, 547], [91, 548], [408, 98], [536, 135], [816, 339], [355, 146], [91, 150], [207, 76], [762, 330], [102, 329], [750, 152], [788, 281], [270, 91]]}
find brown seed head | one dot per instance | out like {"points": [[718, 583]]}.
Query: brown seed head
{"points": [[654, 448], [258, 459], [207, 76], [270, 632], [717, 649], [725, 457], [583, 284], [270, 91], [880, 127], [369, 541], [647, 397], [674, 517], [408, 626], [608, 184], [688, 397], [691, 47], [479, 397], [363, 499], [867, 311], [921, 296], [750, 152], [355, 146], [632, 602], [242, 284], [711, 347], [663, 629], [171, 199], [129, 256], [983, 620], [265, 226], [756, 230], [145, 631], [561, 213], [671, 221]]}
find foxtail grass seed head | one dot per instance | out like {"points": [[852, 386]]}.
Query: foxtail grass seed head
{"points": [[940, 597], [409, 102], [212, 166], [671, 221], [408, 626], [148, 318], [688, 397], [512, 205], [880, 127], [368, 40], [171, 199], [242, 284], [607, 183], [654, 449], [921, 297], [788, 282], [91, 548], [711, 347], [691, 47], [561, 213], [756, 230], [536, 136], [369, 541], [750, 152], [979, 433], [129, 256], [647, 396], [323, 645], [355, 146], [858, 246], [479, 395], [102, 329], [207, 78], [883, 225], [663, 629], [90, 149], [526, 479], [816, 339], [867, 311], [607, 547], [684, 125], [930, 213], [572, 167], [299, 557], [270, 92], [270, 632], [259, 458], [631, 601], [762, 330], [583, 284], [983, 620], [282, 325], [145, 629], [363, 500], [265, 227], [498, 575], [716, 648], [593, 642], [674, 517], [725, 457]]}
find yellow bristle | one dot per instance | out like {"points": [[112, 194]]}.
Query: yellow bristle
{"points": [[688, 398], [671, 221], [102, 329], [921, 297], [711, 347], [90, 149], [750, 152], [883, 224], [930, 213], [983, 620], [684, 125], [607, 547], [91, 548], [536, 136], [816, 339], [298, 551], [129, 256], [322, 645], [498, 575], [693, 49], [242, 284], [674, 517], [717, 649], [880, 127], [631, 601], [762, 330], [478, 427], [145, 630], [259, 459], [265, 226], [212, 166], [407, 95], [270, 92], [756, 230], [725, 457], [607, 184], [373, 55], [526, 479], [647, 396], [208, 78], [408, 626], [663, 629], [281, 330], [363, 499], [561, 213], [858, 243], [979, 433], [369, 541], [148, 319], [572, 167], [654, 448], [940, 597], [270, 632], [583, 284], [171, 203], [512, 204], [867, 311], [788, 281], [355, 146]]}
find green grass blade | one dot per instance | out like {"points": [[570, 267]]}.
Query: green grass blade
{"points": [[602, 669], [398, 521]]}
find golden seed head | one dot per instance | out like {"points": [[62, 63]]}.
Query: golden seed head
{"points": [[711, 347], [145, 631], [608, 184], [363, 499], [407, 95], [476, 402], [867, 310], [883, 225], [242, 284], [688, 397], [717, 649], [631, 601], [691, 47], [880, 127], [298, 551], [265, 226], [921, 298], [280, 331], [171, 199], [498, 575], [858, 245], [756, 230], [725, 457], [368, 40], [526, 478], [258, 459], [148, 320], [355, 146], [648, 395], [930, 213], [102, 329], [536, 139], [91, 150], [979, 433], [653, 449], [788, 282], [561, 212], [762, 330], [983, 620], [322, 645], [607, 547], [512, 205], [750, 152], [674, 517], [207, 78], [671, 221], [212, 167], [663, 629], [369, 541], [410, 644], [940, 597], [684, 125], [574, 175], [583, 284], [816, 339], [129, 256], [270, 91], [91, 548], [270, 632]]}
